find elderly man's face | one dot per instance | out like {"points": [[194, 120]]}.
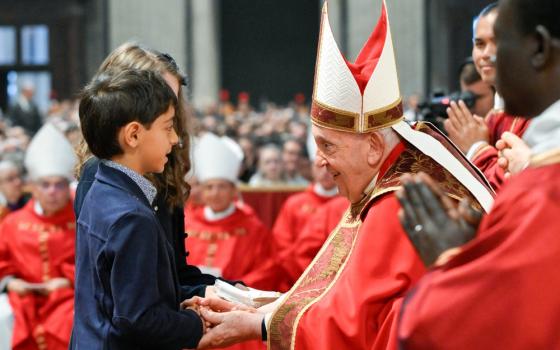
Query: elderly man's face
{"points": [[52, 193], [11, 184], [322, 176], [345, 156]]}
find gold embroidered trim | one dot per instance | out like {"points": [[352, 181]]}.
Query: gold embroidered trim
{"points": [[283, 309], [44, 254]]}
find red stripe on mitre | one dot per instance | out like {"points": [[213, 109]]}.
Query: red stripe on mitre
{"points": [[362, 69]]}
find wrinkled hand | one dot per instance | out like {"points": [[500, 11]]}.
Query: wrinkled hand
{"points": [[19, 286], [433, 222], [463, 127], [230, 328], [513, 153]]}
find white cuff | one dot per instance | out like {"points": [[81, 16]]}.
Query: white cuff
{"points": [[475, 147]]}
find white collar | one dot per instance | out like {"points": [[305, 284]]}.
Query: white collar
{"points": [[499, 103], [211, 215], [38, 209], [323, 192], [543, 133]]}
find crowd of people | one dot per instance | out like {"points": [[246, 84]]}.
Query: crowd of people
{"points": [[121, 211]]}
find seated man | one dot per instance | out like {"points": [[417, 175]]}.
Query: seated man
{"points": [[293, 217], [37, 248], [225, 237]]}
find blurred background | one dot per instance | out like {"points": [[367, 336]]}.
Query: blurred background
{"points": [[265, 48]]}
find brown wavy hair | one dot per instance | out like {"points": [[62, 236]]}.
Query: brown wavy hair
{"points": [[171, 182]]}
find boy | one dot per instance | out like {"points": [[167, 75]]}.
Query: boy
{"points": [[127, 290]]}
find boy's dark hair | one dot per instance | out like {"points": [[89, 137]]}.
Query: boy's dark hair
{"points": [[117, 98]]}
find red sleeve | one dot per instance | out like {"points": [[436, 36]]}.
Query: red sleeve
{"points": [[501, 291], [487, 161]]}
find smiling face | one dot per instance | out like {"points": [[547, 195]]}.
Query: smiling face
{"points": [[484, 48], [348, 158], [156, 142], [218, 194]]}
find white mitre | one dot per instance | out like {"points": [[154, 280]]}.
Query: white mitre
{"points": [[50, 154], [217, 158]]}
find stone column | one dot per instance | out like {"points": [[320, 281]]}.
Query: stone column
{"points": [[156, 24], [205, 55]]}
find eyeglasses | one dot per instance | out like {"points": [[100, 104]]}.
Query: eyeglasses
{"points": [[57, 185]]}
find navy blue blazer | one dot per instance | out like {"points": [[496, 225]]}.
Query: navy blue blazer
{"points": [[127, 291], [172, 220]]}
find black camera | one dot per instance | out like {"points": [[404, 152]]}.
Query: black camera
{"points": [[434, 110]]}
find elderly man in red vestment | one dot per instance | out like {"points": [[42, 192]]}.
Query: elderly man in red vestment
{"points": [[225, 237], [475, 136], [348, 298], [294, 215], [499, 291], [37, 248]]}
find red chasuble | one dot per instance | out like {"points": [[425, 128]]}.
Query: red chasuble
{"points": [[486, 159], [236, 245], [294, 215], [350, 295], [501, 291], [37, 249]]}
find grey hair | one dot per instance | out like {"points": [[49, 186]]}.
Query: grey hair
{"points": [[390, 137]]}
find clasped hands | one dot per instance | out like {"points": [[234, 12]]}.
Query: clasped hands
{"points": [[225, 323], [22, 287], [434, 222]]}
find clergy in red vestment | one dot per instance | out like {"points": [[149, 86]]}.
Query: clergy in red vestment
{"points": [[37, 248], [500, 291], [476, 136], [294, 215], [225, 236], [315, 233], [349, 296]]}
